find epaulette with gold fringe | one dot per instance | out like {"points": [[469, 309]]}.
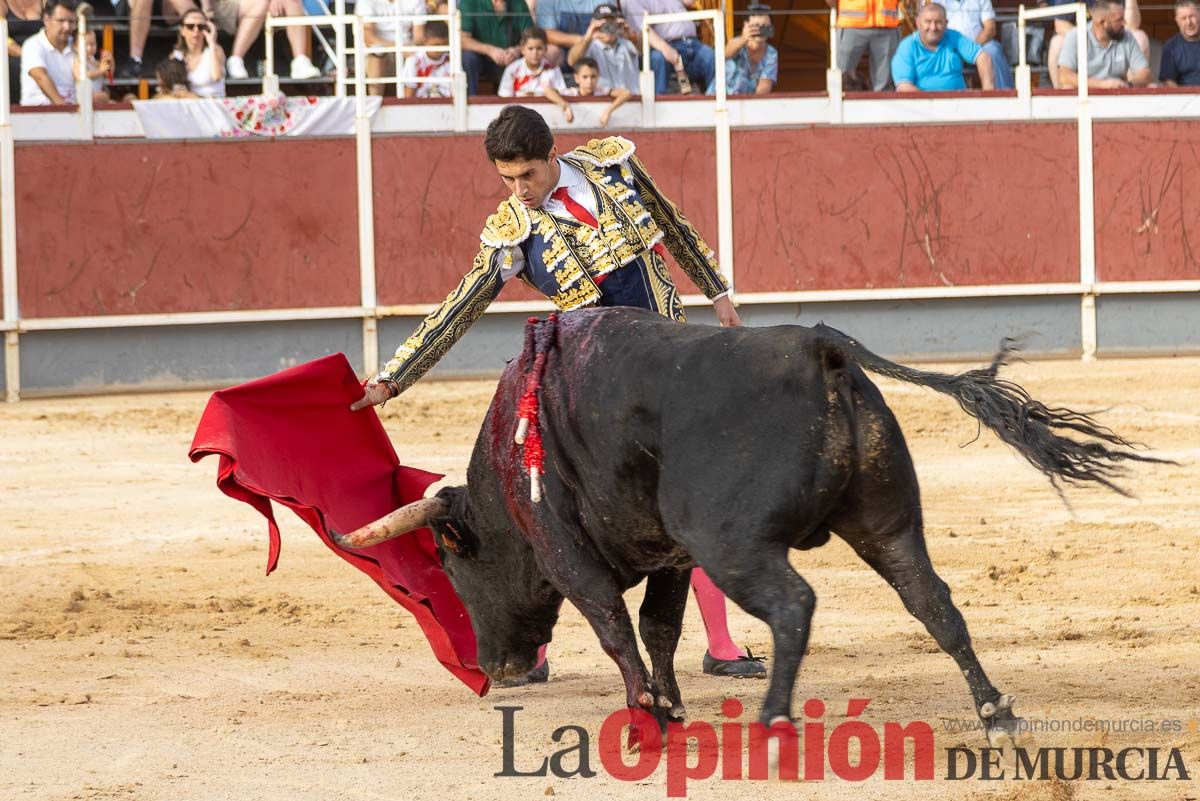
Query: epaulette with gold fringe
{"points": [[508, 227], [605, 152]]}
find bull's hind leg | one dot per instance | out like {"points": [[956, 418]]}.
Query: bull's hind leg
{"points": [[763, 583], [899, 555], [660, 621]]}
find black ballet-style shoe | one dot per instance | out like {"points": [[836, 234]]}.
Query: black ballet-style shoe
{"points": [[744, 667], [539, 675]]}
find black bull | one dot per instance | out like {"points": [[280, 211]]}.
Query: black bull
{"points": [[669, 446]]}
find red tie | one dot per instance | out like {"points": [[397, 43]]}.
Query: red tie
{"points": [[577, 211]]}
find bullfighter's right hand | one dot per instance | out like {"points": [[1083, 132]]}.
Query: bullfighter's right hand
{"points": [[376, 394]]}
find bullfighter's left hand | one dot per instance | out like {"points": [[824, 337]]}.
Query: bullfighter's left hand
{"points": [[727, 316]]}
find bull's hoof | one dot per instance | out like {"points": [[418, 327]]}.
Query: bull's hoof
{"points": [[773, 771], [1005, 730], [1008, 734], [744, 667], [539, 675]]}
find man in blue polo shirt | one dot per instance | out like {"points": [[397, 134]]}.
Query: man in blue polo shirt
{"points": [[932, 59]]}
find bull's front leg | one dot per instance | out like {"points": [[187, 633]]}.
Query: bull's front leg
{"points": [[598, 597], [660, 622]]}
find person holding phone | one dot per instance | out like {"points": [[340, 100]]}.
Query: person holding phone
{"points": [[751, 64], [612, 44], [204, 59]]}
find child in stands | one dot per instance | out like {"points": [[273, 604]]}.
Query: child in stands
{"points": [[587, 78], [532, 74], [95, 70], [429, 65], [173, 81]]}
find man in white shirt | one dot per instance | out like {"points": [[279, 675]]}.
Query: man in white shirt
{"points": [[976, 20], [47, 61], [389, 32]]}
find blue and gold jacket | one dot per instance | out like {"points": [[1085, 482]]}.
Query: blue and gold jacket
{"points": [[563, 258]]}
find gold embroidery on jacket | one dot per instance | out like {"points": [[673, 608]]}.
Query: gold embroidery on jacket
{"points": [[605, 152], [446, 324], [508, 227]]}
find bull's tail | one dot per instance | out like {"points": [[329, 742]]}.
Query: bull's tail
{"points": [[1097, 456]]}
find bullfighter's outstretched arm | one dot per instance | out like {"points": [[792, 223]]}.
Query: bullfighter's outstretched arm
{"points": [[691, 252], [446, 324]]}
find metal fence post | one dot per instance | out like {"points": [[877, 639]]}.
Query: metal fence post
{"points": [[8, 235]]}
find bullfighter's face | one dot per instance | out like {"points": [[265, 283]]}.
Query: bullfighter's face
{"points": [[531, 180], [513, 608]]}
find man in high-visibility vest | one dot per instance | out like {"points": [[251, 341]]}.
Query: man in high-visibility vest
{"points": [[868, 26]]}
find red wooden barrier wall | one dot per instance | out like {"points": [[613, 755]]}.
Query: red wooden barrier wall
{"points": [[1147, 205], [146, 228], [111, 228], [898, 206]]}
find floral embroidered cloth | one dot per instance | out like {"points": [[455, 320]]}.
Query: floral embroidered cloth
{"points": [[255, 115]]}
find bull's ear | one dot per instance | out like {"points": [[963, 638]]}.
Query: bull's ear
{"points": [[453, 537]]}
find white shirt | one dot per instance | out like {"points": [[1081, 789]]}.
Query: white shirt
{"points": [[520, 81], [423, 65], [389, 30], [59, 65], [967, 16], [200, 79]]}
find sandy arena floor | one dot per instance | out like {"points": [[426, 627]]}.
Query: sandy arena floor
{"points": [[145, 656]]}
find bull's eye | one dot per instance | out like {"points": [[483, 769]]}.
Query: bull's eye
{"points": [[453, 545]]}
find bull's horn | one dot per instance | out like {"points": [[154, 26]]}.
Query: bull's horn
{"points": [[405, 519]]}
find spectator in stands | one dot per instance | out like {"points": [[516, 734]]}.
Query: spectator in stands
{"points": [[976, 20], [610, 43], [24, 22], [674, 45], [424, 64], [867, 26], [172, 75], [95, 70], [47, 59], [532, 73], [1181, 54], [1114, 59], [932, 59], [752, 65], [590, 83], [491, 38], [564, 21], [385, 34], [141, 14], [197, 48], [1064, 25], [251, 17]]}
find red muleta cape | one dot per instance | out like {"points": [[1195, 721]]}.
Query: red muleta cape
{"points": [[291, 438]]}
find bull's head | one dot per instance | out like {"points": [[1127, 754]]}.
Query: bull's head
{"points": [[513, 607]]}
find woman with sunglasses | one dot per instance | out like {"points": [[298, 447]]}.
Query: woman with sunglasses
{"points": [[197, 48]]}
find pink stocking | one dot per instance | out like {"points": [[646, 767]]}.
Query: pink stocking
{"points": [[712, 611], [541, 656]]}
